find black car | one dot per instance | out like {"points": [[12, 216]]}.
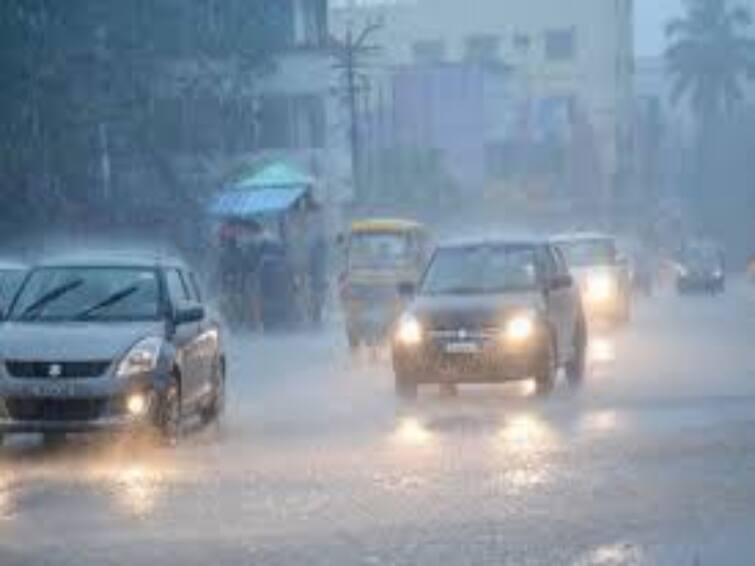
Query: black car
{"points": [[701, 268], [489, 312], [91, 345]]}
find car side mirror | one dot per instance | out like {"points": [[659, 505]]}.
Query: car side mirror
{"points": [[561, 282], [407, 289], [187, 314]]}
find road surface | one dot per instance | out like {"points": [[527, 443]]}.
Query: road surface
{"points": [[652, 462]]}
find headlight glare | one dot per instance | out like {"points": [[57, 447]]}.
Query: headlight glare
{"points": [[141, 358], [520, 328], [409, 331], [600, 287]]}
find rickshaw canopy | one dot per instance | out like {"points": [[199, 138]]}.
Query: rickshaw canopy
{"points": [[271, 191]]}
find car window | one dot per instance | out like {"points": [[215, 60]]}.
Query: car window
{"points": [[10, 281], [560, 263], [177, 288], [581, 253], [481, 269], [194, 288], [88, 293]]}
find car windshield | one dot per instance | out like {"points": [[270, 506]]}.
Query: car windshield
{"points": [[482, 269], [88, 293], [378, 250], [702, 257], [10, 280], [580, 253]]}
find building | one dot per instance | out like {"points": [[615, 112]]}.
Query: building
{"points": [[570, 62], [298, 118]]}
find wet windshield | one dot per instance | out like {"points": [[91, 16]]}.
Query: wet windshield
{"points": [[378, 250], [581, 253], [480, 270], [73, 294], [10, 280]]}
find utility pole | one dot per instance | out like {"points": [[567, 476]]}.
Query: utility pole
{"points": [[351, 55]]}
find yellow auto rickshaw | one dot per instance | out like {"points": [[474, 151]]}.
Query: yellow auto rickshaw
{"points": [[381, 256]]}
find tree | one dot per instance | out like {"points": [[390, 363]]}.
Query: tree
{"points": [[710, 56], [87, 87]]}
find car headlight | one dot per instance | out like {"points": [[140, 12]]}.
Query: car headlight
{"points": [[141, 358], [409, 331], [600, 287], [520, 328]]}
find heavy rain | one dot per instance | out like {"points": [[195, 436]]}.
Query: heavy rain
{"points": [[377, 282]]}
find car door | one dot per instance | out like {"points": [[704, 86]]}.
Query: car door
{"points": [[569, 297], [558, 298], [185, 337], [208, 346]]}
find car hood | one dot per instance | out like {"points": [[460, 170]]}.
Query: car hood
{"points": [[583, 273], [74, 341], [476, 311]]}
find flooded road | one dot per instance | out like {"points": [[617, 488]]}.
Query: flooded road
{"points": [[652, 462]]}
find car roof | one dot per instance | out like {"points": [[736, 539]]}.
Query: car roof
{"points": [[580, 237], [513, 241], [10, 265], [112, 259], [368, 225]]}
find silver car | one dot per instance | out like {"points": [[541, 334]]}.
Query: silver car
{"points": [[92, 345]]}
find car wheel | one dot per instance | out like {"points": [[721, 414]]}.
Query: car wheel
{"points": [[575, 368], [406, 388], [169, 419], [545, 379], [214, 410]]}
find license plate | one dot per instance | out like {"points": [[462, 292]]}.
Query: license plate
{"points": [[463, 348], [53, 390]]}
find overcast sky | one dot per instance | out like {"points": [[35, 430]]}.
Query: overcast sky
{"points": [[650, 18]]}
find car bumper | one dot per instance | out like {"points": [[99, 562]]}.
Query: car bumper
{"points": [[699, 282], [91, 405], [493, 363]]}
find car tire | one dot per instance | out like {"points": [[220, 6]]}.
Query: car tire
{"points": [[170, 413], [545, 378], [214, 410], [575, 368], [406, 388]]}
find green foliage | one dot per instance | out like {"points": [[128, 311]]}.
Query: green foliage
{"points": [[74, 69], [710, 54]]}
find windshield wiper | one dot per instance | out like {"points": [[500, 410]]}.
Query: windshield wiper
{"points": [[108, 301], [49, 297]]}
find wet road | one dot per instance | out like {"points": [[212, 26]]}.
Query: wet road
{"points": [[652, 462]]}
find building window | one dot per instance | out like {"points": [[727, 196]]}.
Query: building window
{"points": [[292, 122], [429, 52], [560, 44], [482, 48]]}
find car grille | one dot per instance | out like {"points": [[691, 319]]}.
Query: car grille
{"points": [[65, 370], [55, 410], [450, 334]]}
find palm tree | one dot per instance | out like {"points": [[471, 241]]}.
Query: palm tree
{"points": [[710, 55]]}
